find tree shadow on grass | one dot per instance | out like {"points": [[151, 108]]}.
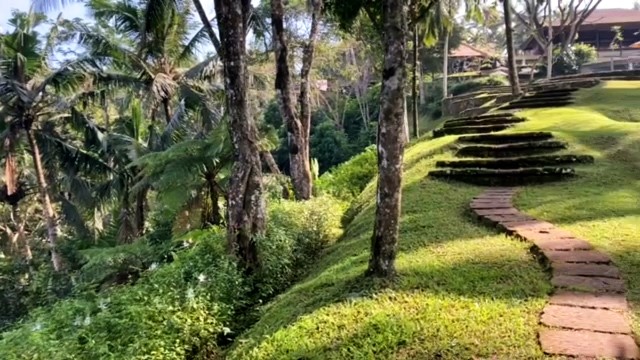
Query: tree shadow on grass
{"points": [[441, 252]]}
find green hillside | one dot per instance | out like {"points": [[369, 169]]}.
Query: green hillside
{"points": [[464, 290]]}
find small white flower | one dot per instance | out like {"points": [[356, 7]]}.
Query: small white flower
{"points": [[153, 266], [103, 304], [202, 278], [191, 294], [37, 326], [87, 321], [77, 321]]}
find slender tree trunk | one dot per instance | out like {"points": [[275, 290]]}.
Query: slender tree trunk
{"points": [[22, 241], [511, 52], [550, 47], [297, 129], [445, 65], [140, 213], [271, 162], [246, 203], [167, 109], [390, 143], [207, 25], [215, 218], [414, 84], [47, 206]]}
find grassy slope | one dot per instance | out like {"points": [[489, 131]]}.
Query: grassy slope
{"points": [[603, 204], [463, 289]]}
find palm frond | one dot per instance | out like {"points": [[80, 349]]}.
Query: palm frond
{"points": [[44, 6]]}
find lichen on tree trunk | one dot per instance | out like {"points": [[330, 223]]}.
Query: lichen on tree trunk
{"points": [[390, 142], [246, 205]]}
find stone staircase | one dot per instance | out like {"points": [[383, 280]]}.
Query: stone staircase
{"points": [[541, 99], [478, 124], [509, 159]]}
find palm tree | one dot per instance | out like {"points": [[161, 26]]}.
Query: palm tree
{"points": [[26, 81]]}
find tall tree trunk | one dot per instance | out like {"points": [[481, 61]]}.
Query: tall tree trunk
{"points": [[47, 206], [390, 143], [550, 47], [271, 162], [140, 211], [207, 26], [297, 129], [414, 84], [246, 203], [445, 65], [511, 52]]}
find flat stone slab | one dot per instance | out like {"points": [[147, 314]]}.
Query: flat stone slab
{"points": [[491, 205], [584, 283], [577, 256], [509, 218], [588, 344], [544, 233], [532, 225], [506, 211], [561, 244], [598, 270], [577, 318], [599, 301]]}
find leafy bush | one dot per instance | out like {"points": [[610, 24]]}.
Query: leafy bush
{"points": [[347, 180], [584, 53], [296, 234], [173, 312], [475, 84]]}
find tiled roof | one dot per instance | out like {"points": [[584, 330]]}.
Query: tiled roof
{"points": [[465, 50], [611, 17]]}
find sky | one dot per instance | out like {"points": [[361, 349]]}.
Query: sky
{"points": [[77, 10]]}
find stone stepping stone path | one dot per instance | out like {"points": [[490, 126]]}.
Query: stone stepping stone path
{"points": [[587, 315]]}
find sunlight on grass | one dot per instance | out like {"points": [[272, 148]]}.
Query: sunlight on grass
{"points": [[603, 204], [463, 290]]}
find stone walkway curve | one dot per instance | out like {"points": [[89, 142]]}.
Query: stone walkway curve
{"points": [[587, 316]]}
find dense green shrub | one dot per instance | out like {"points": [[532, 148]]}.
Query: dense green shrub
{"points": [[176, 310], [475, 84], [584, 53], [173, 312], [347, 180], [297, 232]]}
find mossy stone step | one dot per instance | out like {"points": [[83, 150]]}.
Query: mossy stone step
{"points": [[488, 121], [556, 91], [480, 117], [516, 163], [459, 130], [497, 139], [511, 150], [512, 177], [537, 104], [544, 97]]}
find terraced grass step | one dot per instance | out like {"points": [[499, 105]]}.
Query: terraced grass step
{"points": [[516, 163], [511, 150], [487, 121], [483, 116], [497, 139], [556, 91], [512, 177], [544, 97], [536, 104], [459, 130]]}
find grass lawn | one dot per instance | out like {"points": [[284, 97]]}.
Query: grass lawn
{"points": [[603, 204], [464, 291]]}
